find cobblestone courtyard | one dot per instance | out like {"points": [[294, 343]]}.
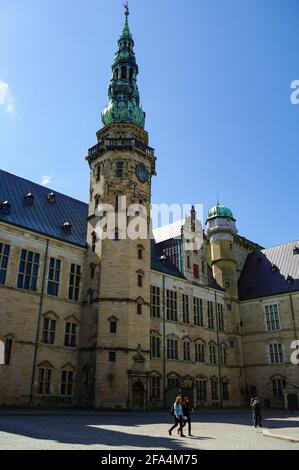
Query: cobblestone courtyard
{"points": [[148, 431]]}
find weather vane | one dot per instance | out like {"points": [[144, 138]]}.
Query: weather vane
{"points": [[126, 6]]}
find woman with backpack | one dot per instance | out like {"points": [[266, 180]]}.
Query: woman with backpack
{"points": [[177, 411]]}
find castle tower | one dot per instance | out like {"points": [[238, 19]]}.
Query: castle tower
{"points": [[116, 323], [221, 233]]}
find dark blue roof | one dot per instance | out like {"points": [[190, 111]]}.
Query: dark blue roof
{"points": [[163, 265], [270, 272], [43, 216]]}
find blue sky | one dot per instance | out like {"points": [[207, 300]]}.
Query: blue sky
{"points": [[214, 81]]}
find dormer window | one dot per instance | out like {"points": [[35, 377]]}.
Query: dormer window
{"points": [[51, 197], [296, 250], [28, 199], [290, 279], [5, 207], [67, 228]]}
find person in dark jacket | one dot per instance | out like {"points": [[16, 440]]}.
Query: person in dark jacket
{"points": [[187, 411], [255, 404]]}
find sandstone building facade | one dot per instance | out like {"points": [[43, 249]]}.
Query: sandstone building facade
{"points": [[128, 322]]}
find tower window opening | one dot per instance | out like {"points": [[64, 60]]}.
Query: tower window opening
{"points": [[93, 242], [123, 72], [5, 207], [115, 74], [28, 199], [119, 169], [131, 73], [139, 309], [51, 197]]}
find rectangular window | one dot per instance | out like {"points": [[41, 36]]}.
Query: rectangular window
{"points": [[74, 284], [112, 356], [214, 390], [155, 388], [155, 347], [119, 169], [54, 276], [276, 354], [172, 349], [187, 355], [272, 317], [213, 354], [155, 301], [113, 326], [139, 280], [8, 350], [28, 270], [139, 309], [220, 317], [70, 334], [199, 352], [198, 311], [201, 390], [185, 302], [171, 305], [277, 387], [4, 255], [195, 271], [44, 381], [210, 315], [49, 328], [67, 380]]}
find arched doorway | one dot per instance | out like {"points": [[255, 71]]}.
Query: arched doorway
{"points": [[292, 401], [138, 396]]}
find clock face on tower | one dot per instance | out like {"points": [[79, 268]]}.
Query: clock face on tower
{"points": [[141, 172]]}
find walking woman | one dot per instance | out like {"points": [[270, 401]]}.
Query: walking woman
{"points": [[178, 416], [186, 411]]}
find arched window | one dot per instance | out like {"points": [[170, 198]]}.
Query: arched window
{"points": [[113, 324], [140, 276], [213, 352], [223, 355], [140, 249], [173, 380]]}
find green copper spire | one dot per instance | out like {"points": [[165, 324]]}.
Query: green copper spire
{"points": [[124, 102]]}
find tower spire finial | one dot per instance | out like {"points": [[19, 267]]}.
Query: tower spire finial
{"points": [[126, 7]]}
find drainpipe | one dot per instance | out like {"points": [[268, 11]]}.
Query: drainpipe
{"points": [[164, 346], [218, 349], [41, 299]]}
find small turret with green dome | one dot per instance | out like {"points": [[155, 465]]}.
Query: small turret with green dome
{"points": [[124, 102], [220, 211]]}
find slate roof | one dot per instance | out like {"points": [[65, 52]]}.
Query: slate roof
{"points": [[167, 232], [266, 272], [42, 216], [163, 265]]}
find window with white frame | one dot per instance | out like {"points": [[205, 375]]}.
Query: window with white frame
{"points": [[49, 328], [276, 353], [272, 317], [4, 255]]}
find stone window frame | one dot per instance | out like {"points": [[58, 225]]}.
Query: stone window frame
{"points": [[211, 314], [198, 311], [225, 395], [187, 354], [214, 383], [155, 301], [52, 316], [34, 286], [140, 278], [4, 261], [140, 251], [186, 308], [223, 357], [52, 282], [154, 334], [72, 320], [266, 321], [76, 293], [201, 378], [113, 319], [155, 376], [67, 368], [174, 351], [46, 380], [173, 376], [270, 352], [221, 316], [201, 342], [274, 380], [212, 353], [171, 305], [8, 348]]}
